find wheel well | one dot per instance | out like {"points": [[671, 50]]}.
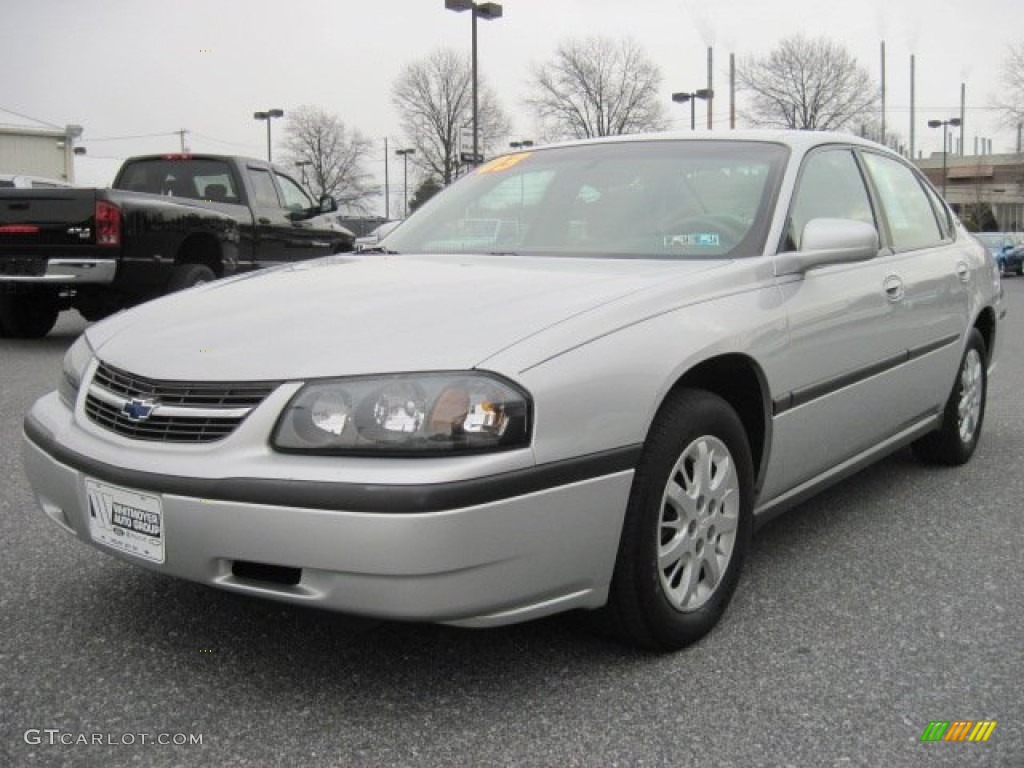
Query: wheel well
{"points": [[201, 249], [986, 325], [738, 380]]}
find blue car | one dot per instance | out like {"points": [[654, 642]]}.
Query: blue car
{"points": [[1006, 250]]}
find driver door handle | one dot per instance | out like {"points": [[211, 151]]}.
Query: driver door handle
{"points": [[894, 290]]}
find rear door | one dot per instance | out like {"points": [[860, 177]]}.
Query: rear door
{"points": [[933, 270]]}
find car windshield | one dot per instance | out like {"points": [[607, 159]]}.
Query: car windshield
{"points": [[641, 199]]}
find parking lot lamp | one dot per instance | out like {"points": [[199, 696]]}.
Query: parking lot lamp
{"points": [[270, 113], [487, 12], [683, 97], [404, 154], [954, 121]]}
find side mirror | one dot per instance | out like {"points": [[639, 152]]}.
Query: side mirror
{"points": [[829, 241], [327, 204]]}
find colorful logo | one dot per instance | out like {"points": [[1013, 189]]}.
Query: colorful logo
{"points": [[958, 730]]}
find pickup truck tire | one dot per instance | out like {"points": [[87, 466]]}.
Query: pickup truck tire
{"points": [[186, 275], [28, 315]]}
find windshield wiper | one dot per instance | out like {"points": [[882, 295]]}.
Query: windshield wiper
{"points": [[378, 249]]}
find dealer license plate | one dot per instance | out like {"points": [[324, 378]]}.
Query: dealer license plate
{"points": [[126, 520]]}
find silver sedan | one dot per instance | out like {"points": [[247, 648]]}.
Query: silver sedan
{"points": [[576, 380]]}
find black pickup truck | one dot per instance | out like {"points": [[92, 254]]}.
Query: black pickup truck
{"points": [[167, 223]]}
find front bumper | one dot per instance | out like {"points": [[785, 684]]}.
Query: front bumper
{"points": [[472, 552]]}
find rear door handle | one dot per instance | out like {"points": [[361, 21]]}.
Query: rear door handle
{"points": [[894, 290]]}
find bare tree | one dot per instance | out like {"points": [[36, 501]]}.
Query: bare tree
{"points": [[336, 157], [434, 97], [807, 84], [597, 86], [1010, 101]]}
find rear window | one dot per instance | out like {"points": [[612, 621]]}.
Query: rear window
{"points": [[194, 178]]}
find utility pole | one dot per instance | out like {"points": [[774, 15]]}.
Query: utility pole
{"points": [[181, 135], [387, 184]]}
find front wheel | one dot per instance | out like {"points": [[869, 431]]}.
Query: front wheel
{"points": [[954, 442], [687, 527]]}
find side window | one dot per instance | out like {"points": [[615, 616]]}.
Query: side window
{"points": [[294, 198], [830, 187], [263, 186], [910, 214]]}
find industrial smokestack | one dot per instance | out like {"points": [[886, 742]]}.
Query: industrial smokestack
{"points": [[711, 89], [732, 96], [882, 138], [963, 114], [912, 106]]}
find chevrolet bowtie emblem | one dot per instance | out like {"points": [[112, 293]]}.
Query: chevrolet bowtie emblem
{"points": [[139, 410]]}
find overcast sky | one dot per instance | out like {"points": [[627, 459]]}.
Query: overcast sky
{"points": [[125, 68]]}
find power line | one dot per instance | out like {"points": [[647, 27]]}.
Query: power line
{"points": [[137, 136], [33, 119]]}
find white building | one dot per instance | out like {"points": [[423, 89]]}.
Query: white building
{"points": [[45, 152]]}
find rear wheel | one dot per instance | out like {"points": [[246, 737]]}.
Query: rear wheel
{"points": [[28, 314], [954, 442], [687, 527], [187, 275]]}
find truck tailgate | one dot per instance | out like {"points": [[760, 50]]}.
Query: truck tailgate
{"points": [[46, 217]]}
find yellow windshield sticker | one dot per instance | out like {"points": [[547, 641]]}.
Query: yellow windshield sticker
{"points": [[499, 164]]}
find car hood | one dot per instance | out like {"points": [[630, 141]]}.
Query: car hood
{"points": [[362, 315]]}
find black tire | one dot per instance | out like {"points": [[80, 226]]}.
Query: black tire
{"points": [[1020, 269], [28, 315], [187, 275], [659, 606], [954, 442]]}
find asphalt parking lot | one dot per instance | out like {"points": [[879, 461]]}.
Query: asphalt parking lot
{"points": [[889, 601]]}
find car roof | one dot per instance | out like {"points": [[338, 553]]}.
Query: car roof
{"points": [[801, 141]]}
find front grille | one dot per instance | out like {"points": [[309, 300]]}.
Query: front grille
{"points": [[170, 411]]}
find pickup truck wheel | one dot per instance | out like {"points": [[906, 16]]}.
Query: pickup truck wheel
{"points": [[29, 315], [687, 526], [187, 275], [954, 442]]}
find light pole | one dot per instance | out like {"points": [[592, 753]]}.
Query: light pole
{"points": [[683, 97], [521, 144], [270, 113], [302, 165], [487, 12], [404, 154], [954, 121]]}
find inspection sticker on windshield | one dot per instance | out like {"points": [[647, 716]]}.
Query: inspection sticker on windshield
{"points": [[699, 240], [499, 164], [126, 520]]}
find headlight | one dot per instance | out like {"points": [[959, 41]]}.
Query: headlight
{"points": [[406, 415], [75, 362]]}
